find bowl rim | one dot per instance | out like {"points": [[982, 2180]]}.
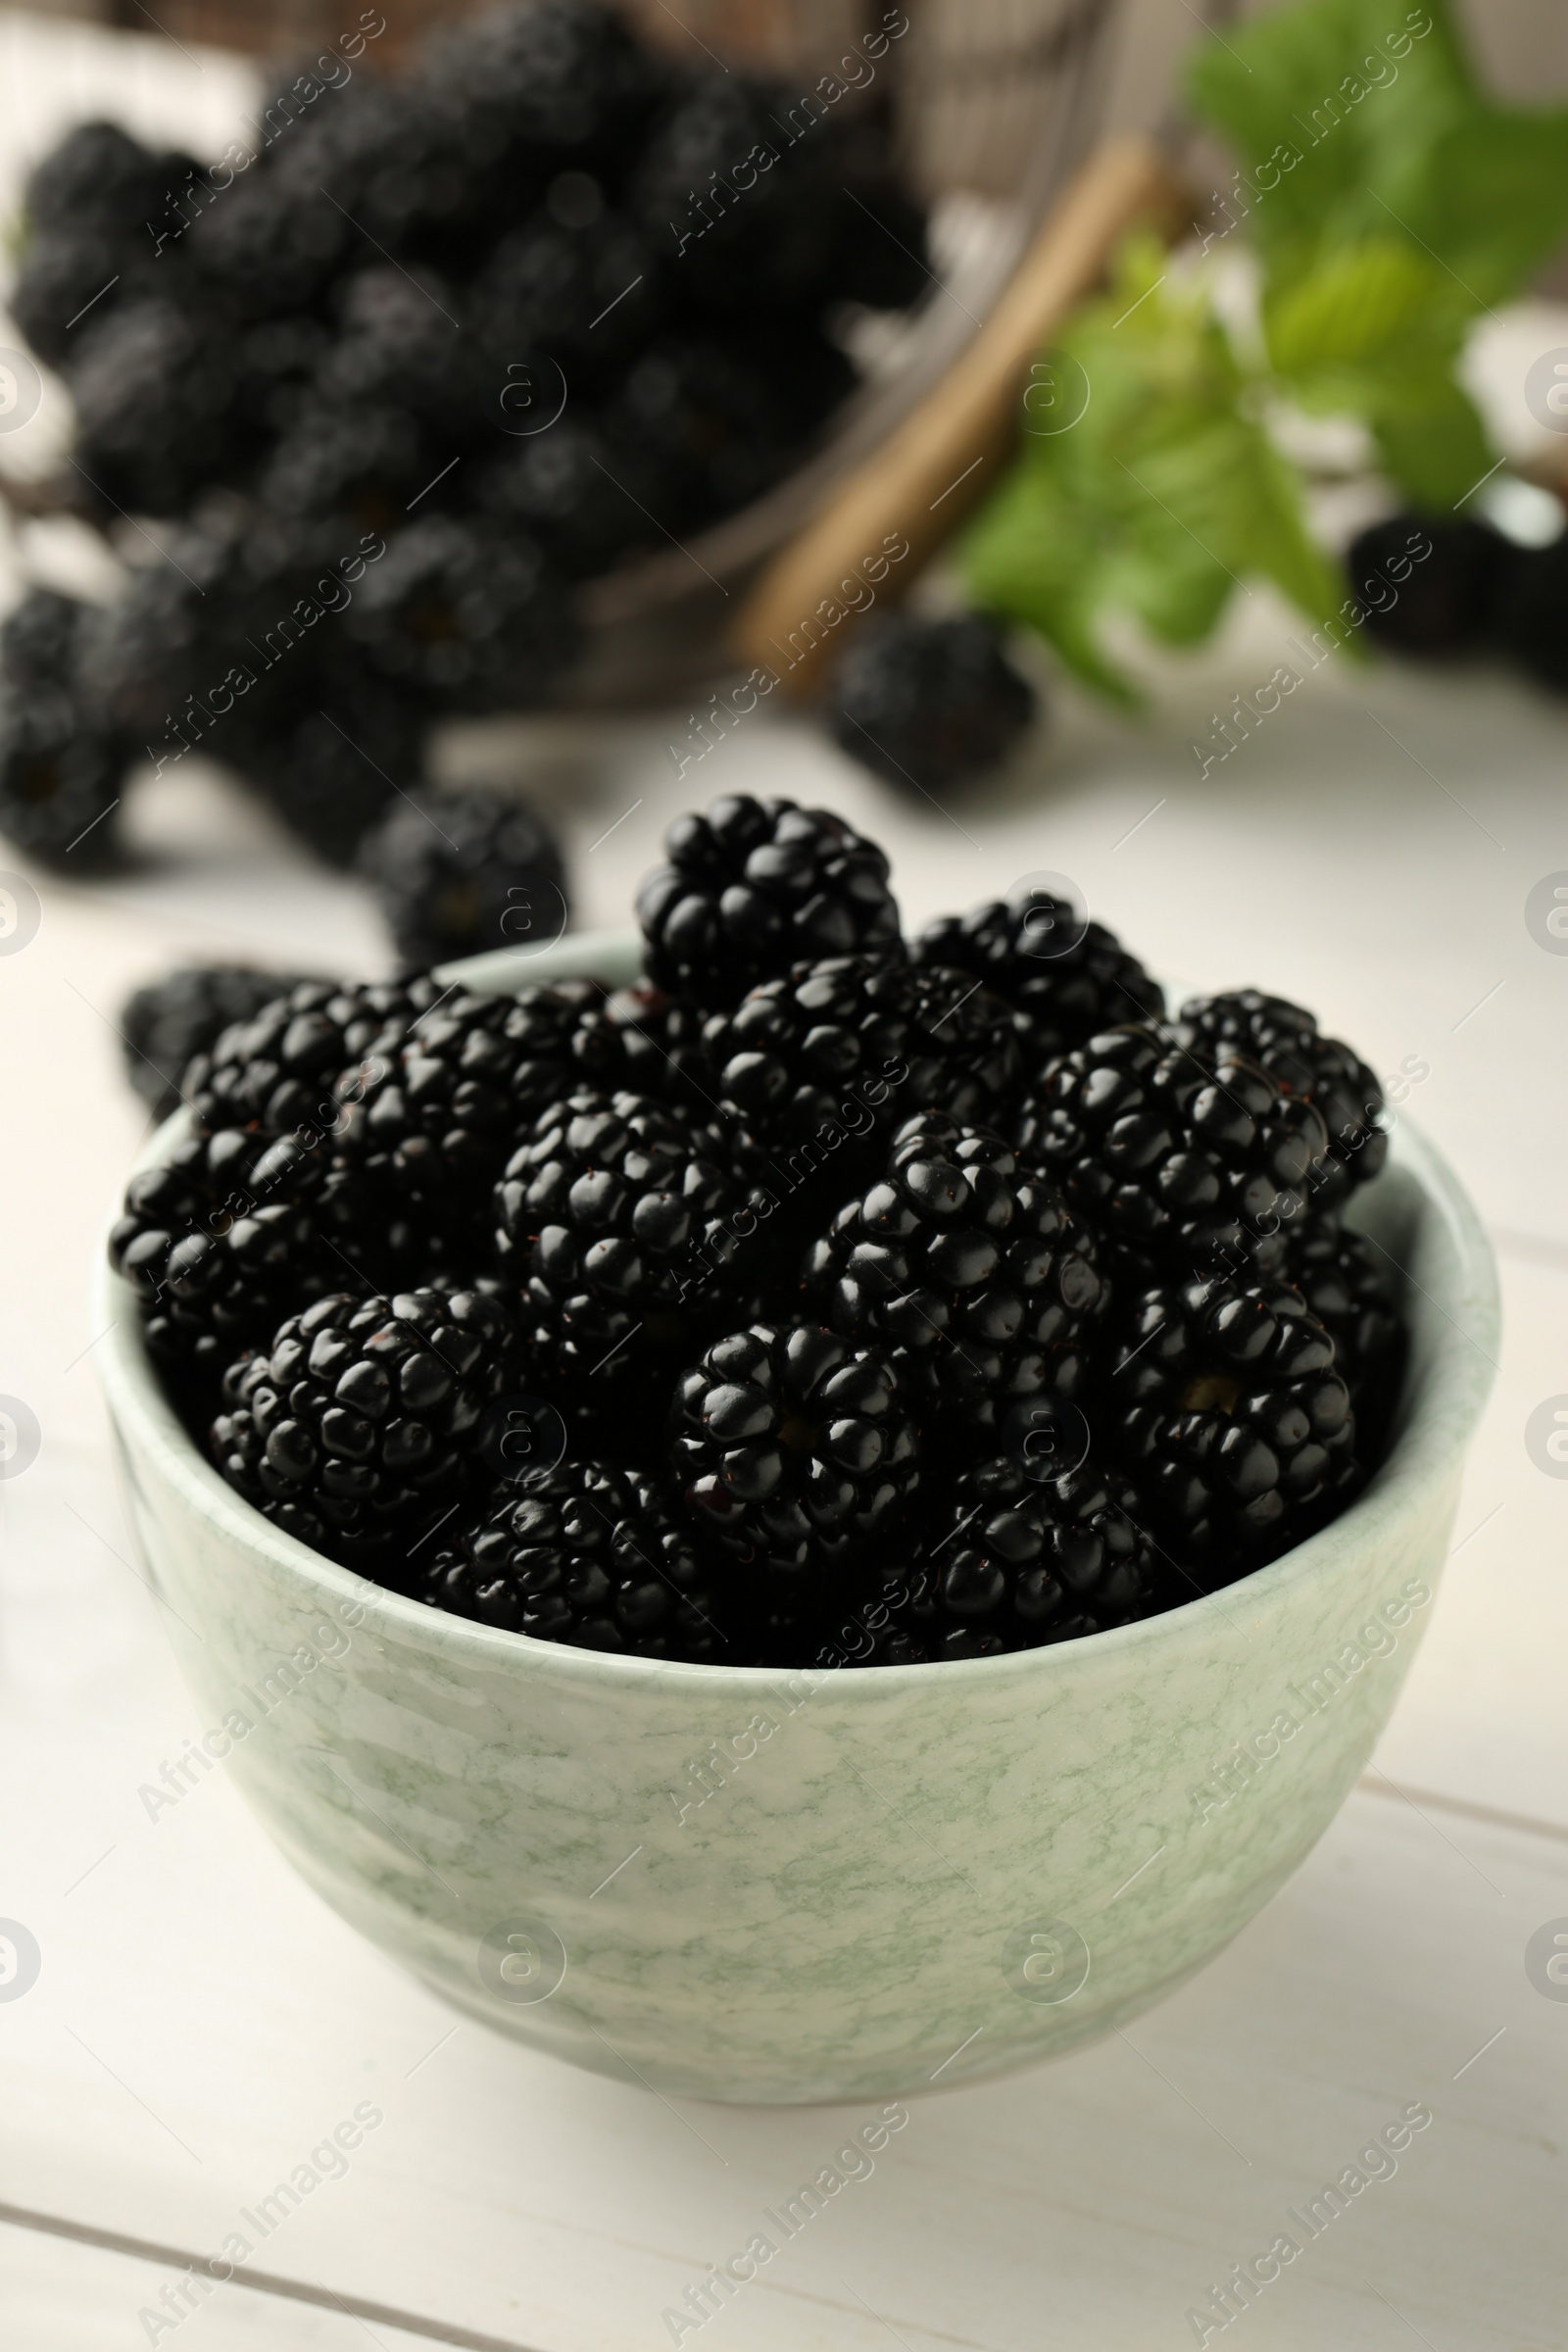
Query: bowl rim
{"points": [[1452, 1384]]}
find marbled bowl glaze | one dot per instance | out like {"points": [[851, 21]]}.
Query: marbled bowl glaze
{"points": [[829, 1887]]}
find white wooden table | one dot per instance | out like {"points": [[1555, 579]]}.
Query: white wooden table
{"points": [[200, 2023]]}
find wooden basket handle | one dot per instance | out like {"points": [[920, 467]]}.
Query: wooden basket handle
{"points": [[949, 451]]}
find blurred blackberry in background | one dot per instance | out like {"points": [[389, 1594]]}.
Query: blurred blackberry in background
{"points": [[352, 1431], [798, 1451], [715, 424], [61, 778], [1285, 1040], [1444, 603], [557, 84], [928, 704], [585, 290], [41, 640], [401, 343], [154, 388], [365, 463], [971, 1270], [754, 887], [1225, 1410], [331, 773], [1064, 978], [98, 177], [573, 490], [164, 640], [168, 1021], [588, 1555], [460, 873], [465, 613], [1532, 615]]}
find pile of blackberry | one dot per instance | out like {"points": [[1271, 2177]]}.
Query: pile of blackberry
{"points": [[824, 1299], [422, 353]]}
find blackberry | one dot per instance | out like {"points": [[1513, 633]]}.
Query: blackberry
{"points": [[1531, 614], [70, 281], [572, 489], [60, 780], [164, 641], [271, 246], [401, 346], [276, 1074], [465, 871], [353, 1431], [1175, 1160], [970, 1269], [465, 613], [1063, 977], [664, 1051], [216, 1244], [1443, 601], [714, 425], [365, 462], [880, 254], [1227, 1414], [616, 1219], [331, 773], [848, 1045], [154, 388], [1346, 1283], [98, 177], [1285, 1040], [561, 82], [797, 1450], [587, 1554], [438, 1105], [928, 704], [587, 294], [1023, 1563], [165, 1024], [754, 887], [40, 641]]}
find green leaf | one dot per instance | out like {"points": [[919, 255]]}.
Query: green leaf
{"points": [[1433, 443]]}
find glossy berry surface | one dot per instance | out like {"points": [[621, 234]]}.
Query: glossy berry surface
{"points": [[1062, 977]]}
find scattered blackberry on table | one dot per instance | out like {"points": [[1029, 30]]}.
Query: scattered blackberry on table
{"points": [[1444, 603], [1225, 1410], [166, 1024], [928, 704], [1285, 1040], [1532, 614], [1016, 1563], [353, 1430], [848, 1045], [465, 613], [971, 1270], [753, 888], [798, 1451], [584, 1553], [460, 873], [616, 1219], [217, 1245], [1177, 1161], [1064, 977], [277, 1074], [61, 780]]}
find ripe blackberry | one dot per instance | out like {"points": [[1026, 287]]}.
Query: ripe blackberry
{"points": [[616, 1218], [97, 177], [331, 773], [928, 704], [166, 1024], [714, 423], [1178, 1161], [216, 1244], [1431, 606], [437, 1105], [60, 780], [557, 83], [401, 345], [585, 1555], [1285, 1040], [665, 1057], [71, 279], [970, 1269], [587, 293], [463, 611], [1016, 1563], [1228, 1416], [847, 1046], [353, 1431], [754, 888], [464, 872], [572, 488], [40, 641], [1531, 608], [164, 640], [276, 1073], [365, 462], [153, 389], [796, 1450], [1064, 978], [880, 253], [1347, 1284], [738, 249]]}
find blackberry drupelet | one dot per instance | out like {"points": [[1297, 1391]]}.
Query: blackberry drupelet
{"points": [[587, 1554], [466, 871], [465, 613], [1434, 604], [1063, 977], [797, 1450], [848, 1045], [1176, 1161], [754, 888], [1224, 1409], [354, 1431], [217, 1245], [61, 774], [166, 1024], [1286, 1041], [277, 1073], [970, 1270], [1021, 1564], [928, 704], [616, 1219]]}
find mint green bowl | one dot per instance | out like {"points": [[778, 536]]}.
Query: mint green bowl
{"points": [[740, 1884]]}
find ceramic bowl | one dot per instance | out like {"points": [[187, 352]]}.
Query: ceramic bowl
{"points": [[750, 1885]]}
